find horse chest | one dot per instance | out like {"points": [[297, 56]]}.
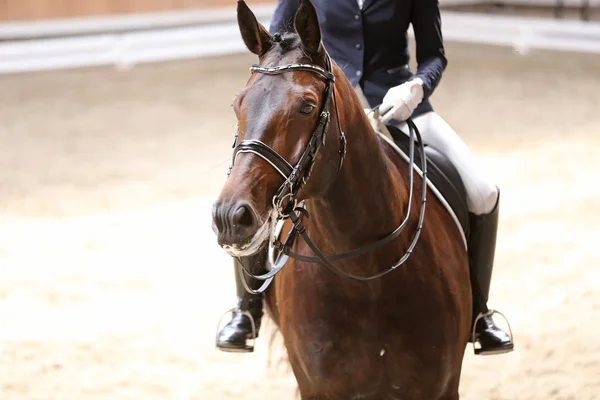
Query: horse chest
{"points": [[350, 342], [351, 369]]}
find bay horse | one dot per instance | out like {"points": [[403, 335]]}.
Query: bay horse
{"points": [[303, 136]]}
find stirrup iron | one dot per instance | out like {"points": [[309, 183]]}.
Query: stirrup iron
{"points": [[249, 348], [489, 313]]}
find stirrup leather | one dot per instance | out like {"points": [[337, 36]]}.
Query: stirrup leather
{"points": [[249, 348]]}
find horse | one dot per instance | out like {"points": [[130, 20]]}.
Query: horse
{"points": [[307, 154]]}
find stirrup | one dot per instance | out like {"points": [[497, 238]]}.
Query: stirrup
{"points": [[248, 348], [489, 313]]}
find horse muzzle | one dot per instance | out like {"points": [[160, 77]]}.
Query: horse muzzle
{"points": [[239, 229]]}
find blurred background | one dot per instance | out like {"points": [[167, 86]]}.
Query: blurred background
{"points": [[115, 138]]}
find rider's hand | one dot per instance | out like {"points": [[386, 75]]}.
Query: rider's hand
{"points": [[403, 99]]}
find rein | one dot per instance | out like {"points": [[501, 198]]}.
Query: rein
{"points": [[295, 177]]}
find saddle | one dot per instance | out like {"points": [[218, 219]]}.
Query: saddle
{"points": [[444, 179]]}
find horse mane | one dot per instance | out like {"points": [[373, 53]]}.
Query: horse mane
{"points": [[284, 42]]}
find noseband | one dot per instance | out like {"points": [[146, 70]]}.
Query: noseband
{"points": [[295, 177]]}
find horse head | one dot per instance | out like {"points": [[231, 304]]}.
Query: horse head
{"points": [[283, 117]]}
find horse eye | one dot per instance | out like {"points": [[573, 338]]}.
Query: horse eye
{"points": [[307, 109]]}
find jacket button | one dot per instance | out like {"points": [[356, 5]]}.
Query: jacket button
{"points": [[358, 72], [358, 46], [356, 17]]}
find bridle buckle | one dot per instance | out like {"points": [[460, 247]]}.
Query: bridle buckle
{"points": [[278, 205]]}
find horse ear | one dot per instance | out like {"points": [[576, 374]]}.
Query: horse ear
{"points": [[306, 23], [255, 36]]}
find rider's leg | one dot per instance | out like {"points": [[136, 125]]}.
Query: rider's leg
{"points": [[482, 193], [236, 334], [483, 204]]}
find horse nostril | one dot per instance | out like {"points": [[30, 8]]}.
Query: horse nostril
{"points": [[217, 216], [243, 216]]}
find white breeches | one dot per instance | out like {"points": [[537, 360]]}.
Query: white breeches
{"points": [[482, 193]]}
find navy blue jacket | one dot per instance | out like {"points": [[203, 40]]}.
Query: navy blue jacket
{"points": [[371, 45]]}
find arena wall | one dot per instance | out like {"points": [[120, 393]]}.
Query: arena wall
{"points": [[29, 10], [49, 34], [35, 10]]}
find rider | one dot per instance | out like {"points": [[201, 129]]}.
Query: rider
{"points": [[368, 40]]}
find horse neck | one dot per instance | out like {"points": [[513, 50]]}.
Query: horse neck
{"points": [[366, 199]]}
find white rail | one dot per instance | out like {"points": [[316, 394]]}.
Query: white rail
{"points": [[130, 22], [126, 41]]}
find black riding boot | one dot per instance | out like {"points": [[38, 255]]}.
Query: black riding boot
{"points": [[482, 246], [236, 334]]}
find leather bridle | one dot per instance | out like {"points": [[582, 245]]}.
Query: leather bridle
{"points": [[295, 177]]}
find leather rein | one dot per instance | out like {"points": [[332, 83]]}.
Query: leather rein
{"points": [[295, 177]]}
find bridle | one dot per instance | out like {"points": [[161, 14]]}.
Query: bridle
{"points": [[295, 177]]}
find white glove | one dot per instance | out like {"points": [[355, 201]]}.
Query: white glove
{"points": [[403, 99]]}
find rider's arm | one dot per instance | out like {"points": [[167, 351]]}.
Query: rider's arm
{"points": [[431, 58], [283, 17]]}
